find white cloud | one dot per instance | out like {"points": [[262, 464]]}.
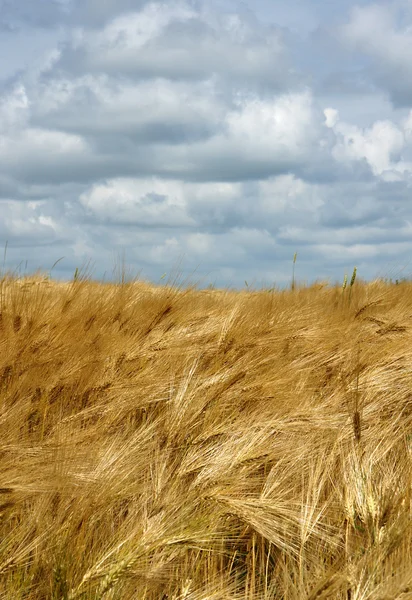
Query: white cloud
{"points": [[288, 123], [143, 202], [119, 40], [174, 40], [26, 223], [332, 117], [121, 128], [96, 105], [14, 107], [201, 244], [287, 193], [366, 27], [373, 31], [381, 144], [30, 152], [163, 252], [407, 126]]}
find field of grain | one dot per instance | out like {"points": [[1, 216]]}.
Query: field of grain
{"points": [[160, 443]]}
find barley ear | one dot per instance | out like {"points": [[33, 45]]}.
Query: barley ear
{"points": [[293, 273], [357, 429], [352, 281]]}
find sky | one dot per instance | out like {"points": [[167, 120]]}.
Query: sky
{"points": [[209, 139]]}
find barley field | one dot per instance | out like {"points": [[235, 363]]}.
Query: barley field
{"points": [[159, 443]]}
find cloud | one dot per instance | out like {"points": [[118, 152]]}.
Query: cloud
{"points": [[49, 13], [181, 129], [150, 203], [32, 223], [147, 111], [381, 145], [78, 130], [373, 31], [95, 13], [176, 41]]}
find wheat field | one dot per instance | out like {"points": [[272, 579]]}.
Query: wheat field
{"points": [[166, 444]]}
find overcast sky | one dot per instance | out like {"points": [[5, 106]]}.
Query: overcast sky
{"points": [[214, 138]]}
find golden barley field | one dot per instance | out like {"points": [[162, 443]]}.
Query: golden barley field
{"points": [[159, 443]]}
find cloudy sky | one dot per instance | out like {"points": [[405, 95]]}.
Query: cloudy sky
{"points": [[210, 138]]}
